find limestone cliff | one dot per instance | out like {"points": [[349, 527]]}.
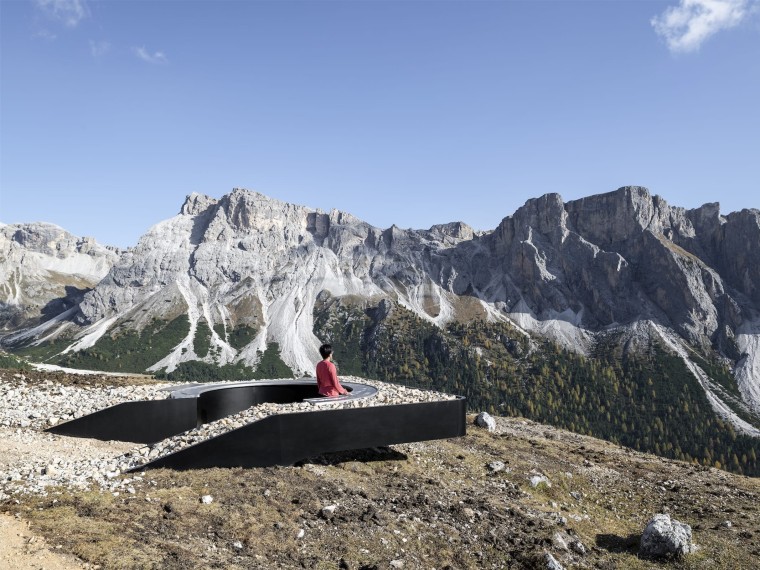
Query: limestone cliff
{"points": [[44, 271]]}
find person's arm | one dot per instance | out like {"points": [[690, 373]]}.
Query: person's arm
{"points": [[335, 382]]}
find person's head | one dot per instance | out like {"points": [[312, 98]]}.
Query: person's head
{"points": [[325, 351]]}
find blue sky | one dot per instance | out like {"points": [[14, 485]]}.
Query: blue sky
{"points": [[413, 113]]}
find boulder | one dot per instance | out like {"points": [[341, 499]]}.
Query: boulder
{"points": [[664, 537], [485, 420]]}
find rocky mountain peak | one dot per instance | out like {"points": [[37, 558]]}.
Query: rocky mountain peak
{"points": [[251, 211], [50, 240], [44, 270], [455, 230], [196, 203], [614, 217]]}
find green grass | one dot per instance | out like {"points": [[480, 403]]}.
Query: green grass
{"points": [[43, 352], [202, 339], [197, 371], [271, 365], [11, 362], [241, 336]]}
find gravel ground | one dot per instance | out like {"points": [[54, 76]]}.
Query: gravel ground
{"points": [[508, 498], [33, 460]]}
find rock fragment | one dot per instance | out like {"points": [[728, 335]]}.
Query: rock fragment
{"points": [[552, 563], [537, 480]]}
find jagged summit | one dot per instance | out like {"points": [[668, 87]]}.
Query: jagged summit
{"points": [[44, 271]]}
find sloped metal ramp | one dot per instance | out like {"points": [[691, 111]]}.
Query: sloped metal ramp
{"points": [[284, 439], [139, 422]]}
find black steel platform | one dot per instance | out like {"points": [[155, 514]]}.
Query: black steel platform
{"points": [[280, 439]]}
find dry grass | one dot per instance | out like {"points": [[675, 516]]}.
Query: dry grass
{"points": [[429, 504]]}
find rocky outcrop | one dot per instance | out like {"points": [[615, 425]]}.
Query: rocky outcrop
{"points": [[738, 253], [45, 270], [625, 256]]}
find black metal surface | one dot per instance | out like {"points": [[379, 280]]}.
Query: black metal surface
{"points": [[225, 401], [140, 422], [153, 420], [287, 438], [280, 439]]}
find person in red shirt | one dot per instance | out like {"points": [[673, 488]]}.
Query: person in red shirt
{"points": [[327, 376]]}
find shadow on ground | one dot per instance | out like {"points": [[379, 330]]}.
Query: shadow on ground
{"points": [[363, 455], [615, 543]]}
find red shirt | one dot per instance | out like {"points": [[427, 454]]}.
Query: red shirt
{"points": [[327, 379]]}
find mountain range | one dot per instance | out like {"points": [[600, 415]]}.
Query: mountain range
{"points": [[249, 286]]}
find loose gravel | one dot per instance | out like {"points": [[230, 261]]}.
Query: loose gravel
{"points": [[35, 461]]}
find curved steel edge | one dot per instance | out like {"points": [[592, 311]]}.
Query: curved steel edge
{"points": [[284, 439]]}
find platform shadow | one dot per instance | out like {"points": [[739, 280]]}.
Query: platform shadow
{"points": [[366, 455]]}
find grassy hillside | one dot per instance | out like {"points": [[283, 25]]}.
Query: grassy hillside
{"points": [[650, 401], [435, 504], [130, 351]]}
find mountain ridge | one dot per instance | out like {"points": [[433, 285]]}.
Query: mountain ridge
{"points": [[228, 283]]}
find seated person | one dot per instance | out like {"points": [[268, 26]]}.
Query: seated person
{"points": [[327, 376]]}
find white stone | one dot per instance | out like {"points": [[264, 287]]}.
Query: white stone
{"points": [[485, 420], [552, 563], [664, 537], [537, 480]]}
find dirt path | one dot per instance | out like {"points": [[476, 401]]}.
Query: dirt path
{"points": [[20, 549]]}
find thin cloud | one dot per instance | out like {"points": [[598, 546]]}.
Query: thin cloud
{"points": [[157, 57], [45, 35], [68, 12], [99, 49], [687, 26]]}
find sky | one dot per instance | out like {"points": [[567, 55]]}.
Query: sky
{"points": [[400, 112]]}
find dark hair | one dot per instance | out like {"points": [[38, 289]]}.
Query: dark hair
{"points": [[325, 350]]}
